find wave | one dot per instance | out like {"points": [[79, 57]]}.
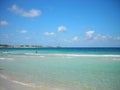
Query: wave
{"points": [[60, 54], [74, 55], [35, 54], [92, 55], [68, 55]]}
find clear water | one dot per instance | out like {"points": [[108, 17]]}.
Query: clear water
{"points": [[63, 68]]}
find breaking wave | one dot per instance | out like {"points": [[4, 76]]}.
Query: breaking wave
{"points": [[74, 55]]}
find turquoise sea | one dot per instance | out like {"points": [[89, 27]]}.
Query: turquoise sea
{"points": [[62, 68]]}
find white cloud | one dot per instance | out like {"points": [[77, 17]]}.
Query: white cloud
{"points": [[62, 29], [101, 37], [3, 23], [75, 38], [89, 34], [23, 31], [71, 40], [49, 34], [30, 13]]}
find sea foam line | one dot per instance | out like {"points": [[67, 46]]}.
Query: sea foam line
{"points": [[25, 84], [81, 55], [93, 55], [74, 55], [18, 82], [42, 55], [31, 85]]}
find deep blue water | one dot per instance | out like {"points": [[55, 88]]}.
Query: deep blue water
{"points": [[66, 50]]}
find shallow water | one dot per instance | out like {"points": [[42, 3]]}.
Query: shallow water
{"points": [[62, 69]]}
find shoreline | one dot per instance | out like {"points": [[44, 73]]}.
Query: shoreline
{"points": [[6, 84], [9, 84]]}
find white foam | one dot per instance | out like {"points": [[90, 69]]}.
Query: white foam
{"points": [[32, 85], [35, 54], [64, 55], [3, 76], [2, 58], [82, 55], [32, 54], [18, 82], [24, 84], [73, 55], [91, 55], [6, 58]]}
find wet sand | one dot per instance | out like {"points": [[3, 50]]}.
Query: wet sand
{"points": [[8, 85]]}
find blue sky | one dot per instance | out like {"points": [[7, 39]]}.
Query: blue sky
{"points": [[68, 23]]}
